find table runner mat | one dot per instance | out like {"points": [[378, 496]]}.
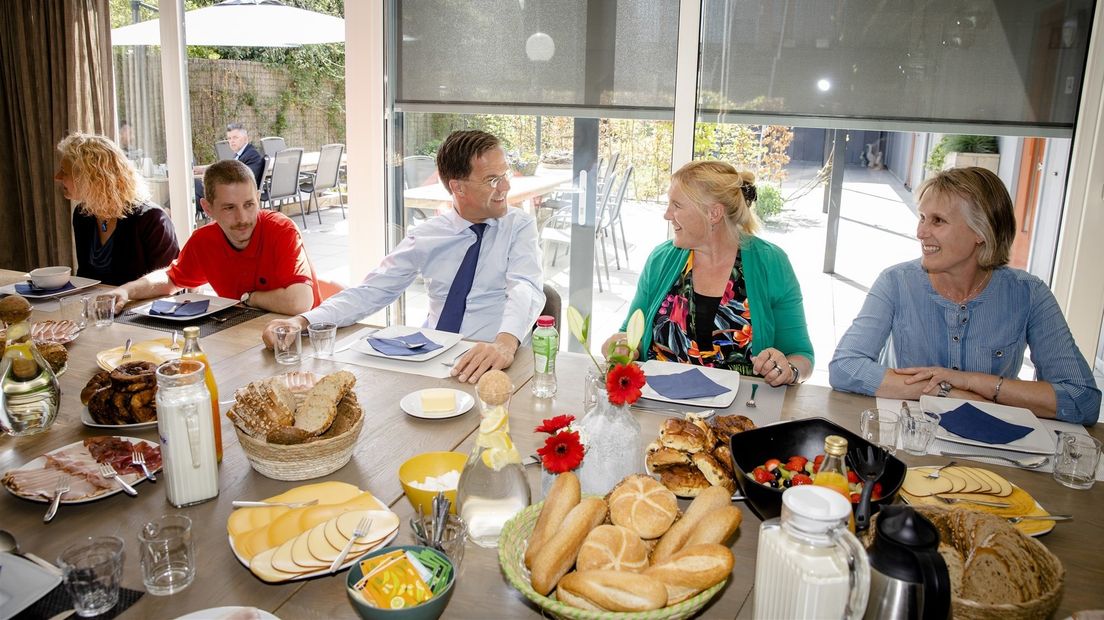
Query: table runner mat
{"points": [[236, 315], [767, 409], [58, 600], [433, 367], [940, 445]]}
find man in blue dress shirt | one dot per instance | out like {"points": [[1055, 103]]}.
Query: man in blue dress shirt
{"points": [[480, 262]]}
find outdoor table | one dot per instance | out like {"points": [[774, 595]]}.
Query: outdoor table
{"points": [[389, 437]]}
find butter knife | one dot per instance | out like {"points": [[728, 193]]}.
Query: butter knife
{"points": [[238, 503]]}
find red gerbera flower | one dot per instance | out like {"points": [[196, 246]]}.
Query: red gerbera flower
{"points": [[551, 425], [561, 452], [623, 382]]}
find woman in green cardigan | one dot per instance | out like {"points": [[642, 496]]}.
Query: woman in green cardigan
{"points": [[717, 295]]}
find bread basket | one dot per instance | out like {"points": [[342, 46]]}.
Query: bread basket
{"points": [[312, 459], [511, 557], [961, 530]]}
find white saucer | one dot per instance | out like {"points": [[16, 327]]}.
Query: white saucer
{"points": [[412, 405]]}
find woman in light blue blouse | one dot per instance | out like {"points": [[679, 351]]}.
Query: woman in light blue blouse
{"points": [[956, 322]]}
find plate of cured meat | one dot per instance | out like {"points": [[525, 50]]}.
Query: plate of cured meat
{"points": [[37, 479]]}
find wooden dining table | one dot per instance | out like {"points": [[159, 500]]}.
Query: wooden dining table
{"points": [[388, 438]]}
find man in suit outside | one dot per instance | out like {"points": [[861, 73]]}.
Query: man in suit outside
{"points": [[245, 152]]}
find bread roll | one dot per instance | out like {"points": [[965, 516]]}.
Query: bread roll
{"points": [[557, 555], [612, 547], [684, 480], [706, 502], [714, 472], [643, 505], [716, 526], [682, 435], [607, 590], [562, 497], [692, 570]]}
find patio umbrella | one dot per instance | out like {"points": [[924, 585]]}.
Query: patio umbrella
{"points": [[242, 23]]}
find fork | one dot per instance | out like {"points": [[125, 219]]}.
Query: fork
{"points": [[935, 472], [958, 500], [1015, 520], [241, 503], [126, 350], [174, 346], [107, 471], [139, 459], [61, 489], [751, 401], [360, 532]]}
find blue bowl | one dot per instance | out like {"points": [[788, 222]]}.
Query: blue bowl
{"points": [[429, 610]]}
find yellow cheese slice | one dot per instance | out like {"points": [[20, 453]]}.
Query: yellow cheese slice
{"points": [[300, 550], [918, 483], [261, 566], [319, 543], [438, 401], [245, 520], [325, 492], [281, 560], [1000, 486]]}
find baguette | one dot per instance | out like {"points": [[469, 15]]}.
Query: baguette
{"points": [[562, 497], [716, 526], [609, 590], [707, 501], [558, 554], [692, 570]]}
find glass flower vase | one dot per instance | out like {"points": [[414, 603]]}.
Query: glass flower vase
{"points": [[612, 438]]}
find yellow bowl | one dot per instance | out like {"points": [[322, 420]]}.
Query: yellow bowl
{"points": [[423, 466]]}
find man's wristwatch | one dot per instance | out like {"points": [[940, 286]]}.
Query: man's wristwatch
{"points": [[245, 298], [945, 388]]}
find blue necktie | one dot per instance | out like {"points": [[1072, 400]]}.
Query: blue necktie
{"points": [[452, 315]]}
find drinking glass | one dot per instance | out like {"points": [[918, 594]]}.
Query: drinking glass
{"points": [[91, 570], [103, 310], [77, 309], [917, 430], [167, 554], [879, 426], [288, 346], [452, 539], [1075, 459], [323, 337]]}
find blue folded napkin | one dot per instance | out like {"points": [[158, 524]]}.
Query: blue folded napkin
{"points": [[396, 347], [30, 289], [168, 307], [972, 423], [685, 385]]}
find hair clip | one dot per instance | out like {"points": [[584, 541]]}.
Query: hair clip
{"points": [[750, 194]]}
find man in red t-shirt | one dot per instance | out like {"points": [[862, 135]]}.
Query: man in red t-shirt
{"points": [[247, 254]]}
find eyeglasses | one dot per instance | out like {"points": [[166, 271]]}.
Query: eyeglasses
{"points": [[495, 180]]}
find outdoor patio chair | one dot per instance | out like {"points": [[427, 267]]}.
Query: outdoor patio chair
{"points": [[325, 177], [223, 150], [557, 230], [552, 303], [284, 183], [272, 145], [611, 220]]}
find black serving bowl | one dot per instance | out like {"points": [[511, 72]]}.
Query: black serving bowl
{"points": [[751, 449]]}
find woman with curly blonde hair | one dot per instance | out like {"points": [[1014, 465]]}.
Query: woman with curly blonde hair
{"points": [[120, 235], [716, 294]]}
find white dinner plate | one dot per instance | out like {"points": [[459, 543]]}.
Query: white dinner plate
{"points": [[133, 479], [23, 583], [228, 613], [725, 378], [412, 404], [78, 283], [86, 418], [217, 304], [1038, 441], [324, 571], [447, 340]]}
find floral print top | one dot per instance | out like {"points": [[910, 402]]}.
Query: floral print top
{"points": [[674, 327]]}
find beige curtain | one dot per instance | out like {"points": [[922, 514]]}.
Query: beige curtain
{"points": [[55, 77]]}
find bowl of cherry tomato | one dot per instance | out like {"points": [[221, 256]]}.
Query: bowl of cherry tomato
{"points": [[773, 458]]}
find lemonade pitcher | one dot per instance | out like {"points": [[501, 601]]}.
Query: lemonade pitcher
{"points": [[493, 486]]}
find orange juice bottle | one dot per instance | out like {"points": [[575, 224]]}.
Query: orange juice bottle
{"points": [[193, 352], [833, 470]]}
